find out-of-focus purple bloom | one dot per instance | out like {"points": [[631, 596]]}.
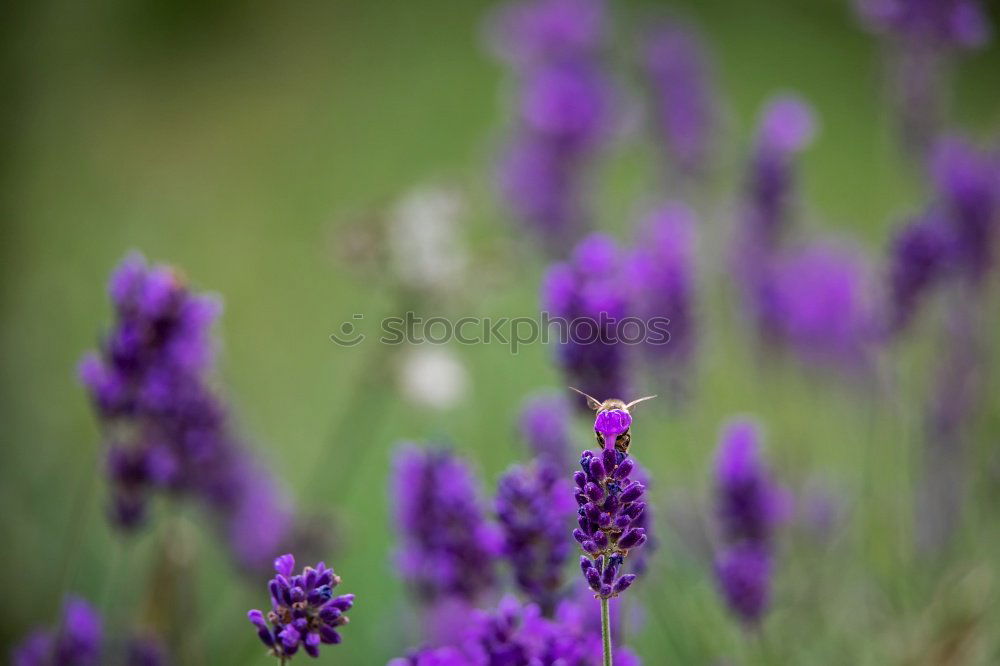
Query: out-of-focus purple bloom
{"points": [[684, 104], [77, 641], [922, 33], [747, 502], [447, 548], [662, 276], [538, 31], [918, 257], [786, 128], [564, 111], [304, 613], [818, 303], [165, 428], [743, 573], [588, 294], [968, 182], [515, 634], [939, 23], [545, 426], [748, 507], [610, 510], [567, 103], [534, 510]]}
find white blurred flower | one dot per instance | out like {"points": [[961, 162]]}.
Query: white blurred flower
{"points": [[424, 238], [433, 377]]}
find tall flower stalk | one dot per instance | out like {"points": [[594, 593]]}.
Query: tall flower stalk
{"points": [[610, 509]]}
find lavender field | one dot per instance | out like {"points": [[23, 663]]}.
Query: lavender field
{"points": [[526, 333]]}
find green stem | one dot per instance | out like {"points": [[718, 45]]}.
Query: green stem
{"points": [[606, 631]]}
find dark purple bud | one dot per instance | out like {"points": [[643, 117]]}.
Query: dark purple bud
{"points": [[590, 546], [610, 571], [624, 583], [605, 591], [579, 536], [604, 520], [580, 478], [601, 539], [593, 577], [344, 602], [329, 635], [610, 458], [592, 512], [631, 538], [624, 469], [622, 521], [585, 563], [594, 492], [597, 471], [632, 493]]}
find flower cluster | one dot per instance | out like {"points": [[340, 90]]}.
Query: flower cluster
{"points": [[165, 428], [534, 509], [661, 274], [79, 640], [304, 613], [684, 105], [587, 291], [954, 237], [610, 504], [553, 47], [447, 549], [960, 23], [748, 507], [521, 634]]}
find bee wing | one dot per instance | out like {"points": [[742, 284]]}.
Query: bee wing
{"points": [[591, 402], [636, 402]]}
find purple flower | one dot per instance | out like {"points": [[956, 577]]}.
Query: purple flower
{"points": [[938, 23], [541, 186], [166, 430], [537, 31], [610, 508], [818, 304], [786, 127], [563, 113], [516, 634], [918, 259], [684, 105], [743, 573], [447, 548], [588, 294], [968, 182], [534, 510], [662, 275], [749, 506], [304, 612], [566, 103], [545, 425], [747, 500], [76, 642], [610, 423]]}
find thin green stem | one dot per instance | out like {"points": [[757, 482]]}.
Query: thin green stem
{"points": [[606, 631]]}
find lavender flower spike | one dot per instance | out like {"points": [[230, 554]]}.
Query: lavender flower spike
{"points": [[304, 613], [77, 642], [748, 507], [588, 292], [683, 100], [447, 548], [534, 509], [610, 509]]}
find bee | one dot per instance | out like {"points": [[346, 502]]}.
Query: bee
{"points": [[613, 418]]}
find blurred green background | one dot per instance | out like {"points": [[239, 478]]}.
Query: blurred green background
{"points": [[244, 143]]}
